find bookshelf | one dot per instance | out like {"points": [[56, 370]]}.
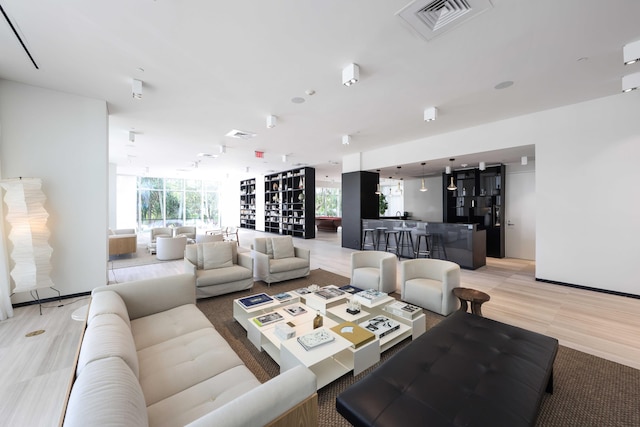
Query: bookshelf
{"points": [[290, 203], [248, 203]]}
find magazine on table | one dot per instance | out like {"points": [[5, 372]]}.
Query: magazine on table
{"points": [[316, 338], [328, 293], [302, 291], [255, 300], [403, 309], [295, 310], [380, 325], [370, 296], [268, 318], [283, 296], [350, 289]]}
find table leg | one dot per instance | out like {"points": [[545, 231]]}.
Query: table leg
{"points": [[476, 308], [463, 304]]}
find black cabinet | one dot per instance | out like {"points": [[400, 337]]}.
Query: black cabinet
{"points": [[478, 199], [248, 203], [290, 203], [358, 201]]}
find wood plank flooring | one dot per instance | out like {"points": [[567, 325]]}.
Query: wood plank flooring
{"points": [[36, 370]]}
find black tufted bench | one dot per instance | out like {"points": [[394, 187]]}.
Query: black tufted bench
{"points": [[465, 371]]}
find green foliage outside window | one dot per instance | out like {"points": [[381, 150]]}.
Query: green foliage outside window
{"points": [[328, 202], [383, 204]]}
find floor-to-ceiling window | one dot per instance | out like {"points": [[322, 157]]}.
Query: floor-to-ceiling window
{"points": [[328, 202], [174, 202]]}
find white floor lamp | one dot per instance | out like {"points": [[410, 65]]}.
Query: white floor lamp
{"points": [[29, 235]]}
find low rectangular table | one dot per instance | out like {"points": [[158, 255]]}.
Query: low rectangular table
{"points": [[465, 371]]}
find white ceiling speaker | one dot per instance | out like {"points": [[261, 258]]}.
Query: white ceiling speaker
{"points": [[136, 89], [223, 149], [350, 74], [346, 139], [430, 114], [482, 166], [524, 160], [284, 158], [631, 52], [132, 137], [630, 82], [271, 121]]}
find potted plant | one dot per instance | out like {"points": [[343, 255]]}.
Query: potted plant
{"points": [[383, 204]]}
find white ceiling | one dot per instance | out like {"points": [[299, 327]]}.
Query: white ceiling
{"points": [[213, 66]]}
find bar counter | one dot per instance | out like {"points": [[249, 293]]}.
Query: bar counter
{"points": [[463, 244]]}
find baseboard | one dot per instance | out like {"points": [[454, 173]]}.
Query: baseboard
{"points": [[587, 288], [46, 300]]}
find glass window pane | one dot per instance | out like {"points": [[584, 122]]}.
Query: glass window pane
{"points": [[210, 214], [193, 202], [174, 208], [150, 183], [174, 184], [150, 209], [192, 185]]}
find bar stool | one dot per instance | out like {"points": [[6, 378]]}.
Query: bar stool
{"points": [[391, 245], [437, 245], [368, 232], [380, 236], [420, 236], [405, 241]]}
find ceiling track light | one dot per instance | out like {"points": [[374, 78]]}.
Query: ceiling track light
{"points": [[350, 74], [132, 137], [451, 186], [524, 160], [284, 158], [223, 149], [271, 121], [630, 82], [422, 187], [136, 89], [482, 166], [378, 192], [346, 139], [631, 52], [430, 114]]}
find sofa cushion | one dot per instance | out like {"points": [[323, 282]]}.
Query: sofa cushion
{"points": [[287, 264], [222, 275], [163, 326], [108, 302], [197, 401], [108, 336], [175, 365], [106, 384], [366, 277], [216, 255], [191, 253], [282, 247]]}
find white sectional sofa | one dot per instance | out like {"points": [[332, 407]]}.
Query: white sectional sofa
{"points": [[149, 357]]}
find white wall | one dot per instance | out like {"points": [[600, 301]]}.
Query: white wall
{"points": [[586, 176], [424, 206], [62, 139], [127, 201]]}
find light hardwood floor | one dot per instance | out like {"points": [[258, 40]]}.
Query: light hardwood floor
{"points": [[36, 370]]}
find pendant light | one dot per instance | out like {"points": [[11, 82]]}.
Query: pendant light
{"points": [[378, 192], [452, 186], [422, 187]]}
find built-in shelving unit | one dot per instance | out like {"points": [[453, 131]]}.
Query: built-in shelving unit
{"points": [[290, 203], [248, 203], [479, 199]]}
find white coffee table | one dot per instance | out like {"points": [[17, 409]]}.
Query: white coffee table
{"points": [[242, 314]]}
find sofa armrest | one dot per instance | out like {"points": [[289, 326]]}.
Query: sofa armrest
{"points": [[245, 260], [150, 296], [264, 403], [303, 253], [189, 267], [260, 264]]}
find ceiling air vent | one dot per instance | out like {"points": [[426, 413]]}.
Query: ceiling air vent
{"points": [[234, 133], [432, 18]]}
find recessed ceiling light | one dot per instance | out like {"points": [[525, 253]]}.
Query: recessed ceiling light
{"points": [[241, 134], [297, 100], [207, 155], [503, 85]]}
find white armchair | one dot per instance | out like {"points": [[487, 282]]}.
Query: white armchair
{"points": [[168, 248], [156, 232], [188, 230], [374, 270], [429, 283], [276, 259]]}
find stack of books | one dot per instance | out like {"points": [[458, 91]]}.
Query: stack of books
{"points": [[315, 339], [267, 319], [329, 292], [404, 310], [380, 325], [255, 300], [370, 296]]}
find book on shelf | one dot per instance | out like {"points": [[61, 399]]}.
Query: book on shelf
{"points": [[380, 325], [268, 318], [354, 333], [402, 309], [316, 338], [255, 300], [350, 289], [283, 296], [370, 296], [295, 310], [329, 292]]}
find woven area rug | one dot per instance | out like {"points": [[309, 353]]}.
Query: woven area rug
{"points": [[588, 391]]}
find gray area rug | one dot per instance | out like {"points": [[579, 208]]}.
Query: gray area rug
{"points": [[140, 257], [588, 391]]}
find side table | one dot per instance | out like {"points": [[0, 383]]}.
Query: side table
{"points": [[475, 297]]}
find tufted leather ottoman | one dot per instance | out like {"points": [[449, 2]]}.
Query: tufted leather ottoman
{"points": [[466, 371]]}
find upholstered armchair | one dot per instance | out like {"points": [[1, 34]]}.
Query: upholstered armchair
{"points": [[168, 248], [429, 283], [218, 268], [187, 230], [374, 270], [276, 259], [207, 238], [156, 232]]}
